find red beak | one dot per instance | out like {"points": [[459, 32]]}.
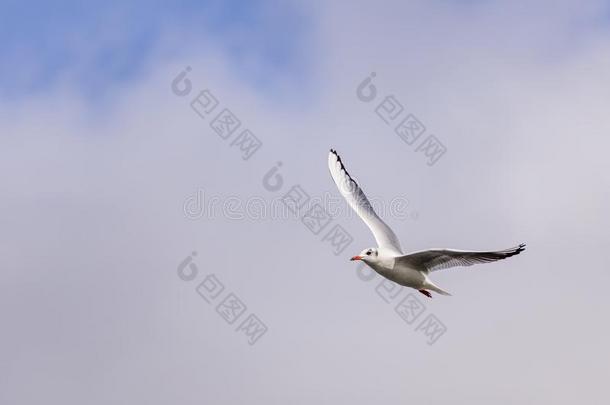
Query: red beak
{"points": [[356, 258]]}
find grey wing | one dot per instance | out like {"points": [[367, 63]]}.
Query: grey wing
{"points": [[356, 198], [438, 259]]}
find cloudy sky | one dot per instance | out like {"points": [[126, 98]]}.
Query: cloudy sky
{"points": [[115, 170]]}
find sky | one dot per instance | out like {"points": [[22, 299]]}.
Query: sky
{"points": [[132, 220]]}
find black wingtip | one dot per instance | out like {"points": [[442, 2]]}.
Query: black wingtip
{"points": [[518, 250], [334, 152]]}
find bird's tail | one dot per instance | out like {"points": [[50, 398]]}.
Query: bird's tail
{"points": [[430, 286]]}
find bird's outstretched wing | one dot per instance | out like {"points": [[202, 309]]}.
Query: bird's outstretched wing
{"points": [[438, 259], [356, 198]]}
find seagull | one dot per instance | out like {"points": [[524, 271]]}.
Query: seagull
{"points": [[387, 258]]}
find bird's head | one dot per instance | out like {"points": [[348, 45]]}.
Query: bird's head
{"points": [[367, 255]]}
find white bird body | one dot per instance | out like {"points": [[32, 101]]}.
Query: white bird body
{"points": [[388, 259], [388, 268]]}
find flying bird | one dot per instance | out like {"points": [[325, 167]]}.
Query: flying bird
{"points": [[387, 258]]}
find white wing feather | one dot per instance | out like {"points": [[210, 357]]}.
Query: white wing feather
{"points": [[438, 259], [356, 198]]}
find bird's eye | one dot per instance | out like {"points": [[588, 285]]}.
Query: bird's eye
{"points": [[368, 253]]}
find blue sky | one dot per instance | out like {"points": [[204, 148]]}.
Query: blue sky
{"points": [[102, 44]]}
